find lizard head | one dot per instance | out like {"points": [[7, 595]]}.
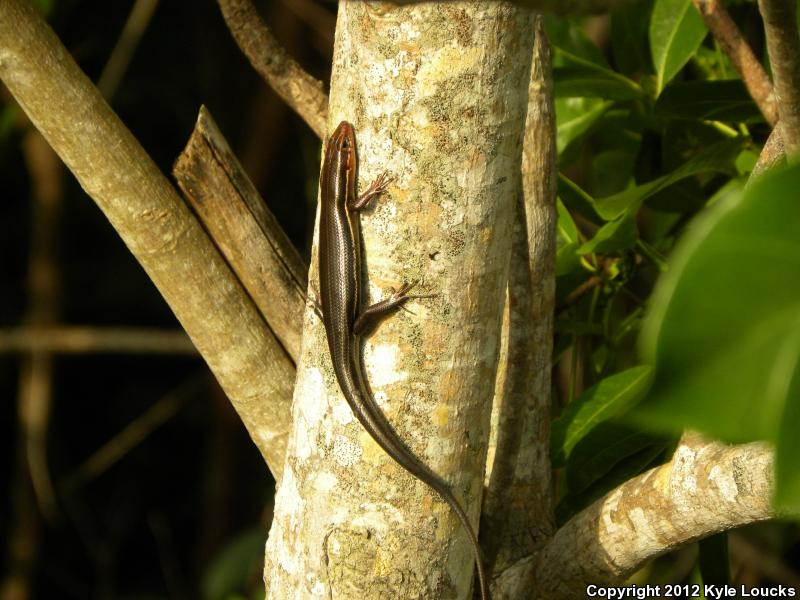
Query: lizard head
{"points": [[343, 143]]}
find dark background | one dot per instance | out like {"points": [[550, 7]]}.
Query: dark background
{"points": [[183, 512]]}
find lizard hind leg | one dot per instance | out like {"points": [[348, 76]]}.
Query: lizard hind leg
{"points": [[375, 313]]}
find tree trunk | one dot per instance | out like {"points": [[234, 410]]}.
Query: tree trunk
{"points": [[437, 94]]}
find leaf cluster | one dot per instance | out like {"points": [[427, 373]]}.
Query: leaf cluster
{"points": [[655, 129]]}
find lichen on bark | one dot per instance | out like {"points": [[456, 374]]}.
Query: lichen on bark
{"points": [[437, 94]]}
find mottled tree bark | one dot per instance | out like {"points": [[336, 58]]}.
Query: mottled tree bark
{"points": [[708, 487], [783, 44], [437, 94], [518, 509]]}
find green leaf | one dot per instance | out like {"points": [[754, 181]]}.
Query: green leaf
{"points": [[567, 260], [619, 234], [676, 31], [612, 171], [234, 565], [571, 43], [627, 468], [567, 230], [576, 199], [578, 82], [582, 73], [601, 450], [717, 157], [713, 63], [734, 187], [621, 129], [726, 100], [599, 403], [746, 161], [629, 36], [723, 330], [575, 117], [787, 469]]}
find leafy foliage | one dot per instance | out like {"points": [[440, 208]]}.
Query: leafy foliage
{"points": [[676, 31], [235, 566], [724, 329], [656, 138], [599, 403]]}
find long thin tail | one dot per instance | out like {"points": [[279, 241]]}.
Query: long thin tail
{"points": [[447, 494], [378, 426]]}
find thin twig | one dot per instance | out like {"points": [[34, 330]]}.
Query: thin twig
{"points": [[303, 93], [135, 26], [35, 387], [783, 45], [43, 292], [580, 291], [136, 431], [23, 534], [31, 483], [733, 44], [96, 340]]}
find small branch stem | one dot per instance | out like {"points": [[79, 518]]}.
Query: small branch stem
{"points": [[773, 153], [135, 26], [783, 45], [733, 44], [300, 91], [95, 340]]}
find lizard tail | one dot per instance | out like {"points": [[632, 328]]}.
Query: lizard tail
{"points": [[448, 497]]}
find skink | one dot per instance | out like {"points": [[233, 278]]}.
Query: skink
{"points": [[345, 321]]}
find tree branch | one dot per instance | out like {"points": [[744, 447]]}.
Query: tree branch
{"points": [[727, 34], [245, 231], [783, 45], [707, 488], [280, 71], [773, 153], [154, 223], [518, 508], [86, 340], [559, 7]]}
